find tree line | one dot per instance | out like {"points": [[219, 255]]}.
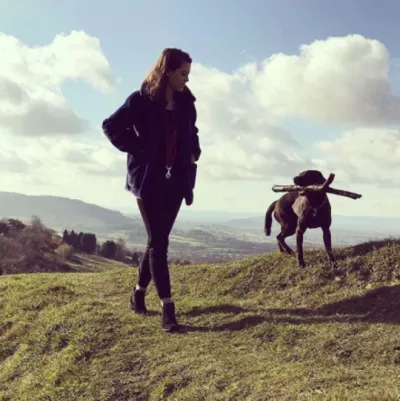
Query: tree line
{"points": [[88, 243]]}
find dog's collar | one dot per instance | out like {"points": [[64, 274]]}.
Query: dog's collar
{"points": [[314, 210]]}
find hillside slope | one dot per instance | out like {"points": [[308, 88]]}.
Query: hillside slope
{"points": [[218, 242], [61, 213], [258, 329]]}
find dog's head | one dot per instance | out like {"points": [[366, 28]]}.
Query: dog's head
{"points": [[309, 177]]}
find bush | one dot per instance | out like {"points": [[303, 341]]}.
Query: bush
{"points": [[11, 254], [88, 243], [122, 251], [35, 236], [8, 226], [65, 251], [56, 241], [109, 249], [29, 248], [136, 258]]}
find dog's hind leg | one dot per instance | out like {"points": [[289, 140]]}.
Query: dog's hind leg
{"points": [[286, 231], [280, 246]]}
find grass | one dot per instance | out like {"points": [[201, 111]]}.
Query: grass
{"points": [[89, 263], [258, 329]]}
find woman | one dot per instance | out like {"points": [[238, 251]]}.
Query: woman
{"points": [[156, 127]]}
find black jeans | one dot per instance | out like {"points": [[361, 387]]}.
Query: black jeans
{"points": [[159, 212]]}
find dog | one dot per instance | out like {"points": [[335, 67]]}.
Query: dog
{"points": [[297, 211]]}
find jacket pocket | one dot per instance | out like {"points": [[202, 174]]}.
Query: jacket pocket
{"points": [[137, 167]]}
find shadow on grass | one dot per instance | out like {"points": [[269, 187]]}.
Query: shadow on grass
{"points": [[224, 308], [381, 305]]}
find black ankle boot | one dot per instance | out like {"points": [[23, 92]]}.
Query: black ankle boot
{"points": [[137, 301], [169, 322]]}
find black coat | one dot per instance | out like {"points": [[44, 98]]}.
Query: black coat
{"points": [[136, 128]]}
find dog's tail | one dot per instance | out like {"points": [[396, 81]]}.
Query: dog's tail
{"points": [[268, 218]]}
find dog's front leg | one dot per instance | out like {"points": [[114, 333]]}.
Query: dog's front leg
{"points": [[300, 230], [328, 244]]}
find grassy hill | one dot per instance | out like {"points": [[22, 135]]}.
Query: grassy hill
{"points": [[257, 329]]}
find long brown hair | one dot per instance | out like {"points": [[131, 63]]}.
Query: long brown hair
{"points": [[169, 60]]}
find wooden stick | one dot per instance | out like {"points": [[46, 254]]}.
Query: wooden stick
{"points": [[296, 188], [315, 188], [319, 188], [328, 182], [342, 192]]}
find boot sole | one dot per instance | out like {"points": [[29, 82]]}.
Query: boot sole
{"points": [[172, 329], [140, 312]]}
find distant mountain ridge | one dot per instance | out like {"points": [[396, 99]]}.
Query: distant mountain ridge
{"points": [[200, 236], [372, 224], [58, 212]]}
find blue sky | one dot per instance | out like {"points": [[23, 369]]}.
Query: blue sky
{"points": [[132, 34], [214, 33]]}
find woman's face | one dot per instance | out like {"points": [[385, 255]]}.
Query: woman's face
{"points": [[178, 78]]}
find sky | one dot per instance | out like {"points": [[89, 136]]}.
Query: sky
{"points": [[281, 86]]}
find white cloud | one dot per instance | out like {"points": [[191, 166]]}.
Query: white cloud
{"points": [[247, 157], [31, 100], [340, 80], [60, 163], [11, 162], [337, 80], [239, 136], [91, 171], [364, 155], [94, 157]]}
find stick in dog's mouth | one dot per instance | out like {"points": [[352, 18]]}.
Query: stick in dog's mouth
{"points": [[325, 187]]}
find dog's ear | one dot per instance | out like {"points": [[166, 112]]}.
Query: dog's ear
{"points": [[318, 178], [298, 180]]}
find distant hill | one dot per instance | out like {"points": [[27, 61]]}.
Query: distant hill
{"points": [[62, 213], [371, 224], [213, 243], [198, 236]]}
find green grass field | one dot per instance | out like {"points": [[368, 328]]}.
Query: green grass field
{"points": [[258, 329]]}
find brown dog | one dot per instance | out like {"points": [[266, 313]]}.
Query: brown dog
{"points": [[296, 212]]}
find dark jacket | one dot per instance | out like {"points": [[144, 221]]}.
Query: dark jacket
{"points": [[136, 129]]}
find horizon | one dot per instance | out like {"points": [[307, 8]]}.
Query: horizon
{"points": [[245, 214], [325, 95]]}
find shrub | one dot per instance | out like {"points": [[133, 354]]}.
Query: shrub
{"points": [[65, 251], [109, 249], [11, 254], [88, 243], [56, 241], [29, 248], [122, 252]]}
